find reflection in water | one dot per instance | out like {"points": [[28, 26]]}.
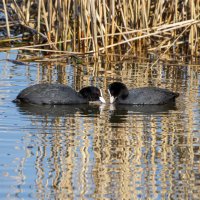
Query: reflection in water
{"points": [[120, 111], [58, 110], [101, 152]]}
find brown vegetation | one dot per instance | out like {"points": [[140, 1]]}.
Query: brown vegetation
{"points": [[80, 26]]}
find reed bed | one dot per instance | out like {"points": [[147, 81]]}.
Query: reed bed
{"points": [[102, 26]]}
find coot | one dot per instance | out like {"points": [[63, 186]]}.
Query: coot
{"points": [[58, 94], [119, 93]]}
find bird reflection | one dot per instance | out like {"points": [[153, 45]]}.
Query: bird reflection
{"points": [[119, 111], [58, 110]]}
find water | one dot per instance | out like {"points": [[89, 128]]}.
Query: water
{"points": [[99, 152]]}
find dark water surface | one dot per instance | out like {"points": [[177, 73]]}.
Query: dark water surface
{"points": [[100, 152]]}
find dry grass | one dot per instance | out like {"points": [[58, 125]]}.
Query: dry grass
{"points": [[101, 26]]}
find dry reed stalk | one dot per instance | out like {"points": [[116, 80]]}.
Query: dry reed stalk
{"points": [[113, 20], [106, 26], [39, 18], [102, 25], [65, 22], [145, 15], [9, 40], [99, 18], [94, 26], [13, 23], [27, 11], [45, 19], [6, 16], [28, 46], [170, 46], [146, 35], [161, 46], [19, 12]]}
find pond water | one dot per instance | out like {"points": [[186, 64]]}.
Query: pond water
{"points": [[99, 151]]}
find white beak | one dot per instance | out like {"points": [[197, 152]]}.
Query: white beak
{"points": [[101, 97], [112, 99]]}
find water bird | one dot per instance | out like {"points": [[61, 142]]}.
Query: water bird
{"points": [[58, 94], [120, 94]]}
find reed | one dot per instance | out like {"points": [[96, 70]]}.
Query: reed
{"points": [[103, 26]]}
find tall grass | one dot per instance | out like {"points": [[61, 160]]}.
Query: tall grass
{"points": [[89, 26]]}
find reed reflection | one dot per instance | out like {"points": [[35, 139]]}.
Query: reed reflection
{"points": [[82, 156], [126, 152]]}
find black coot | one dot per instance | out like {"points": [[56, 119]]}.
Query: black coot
{"points": [[119, 93], [58, 94]]}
